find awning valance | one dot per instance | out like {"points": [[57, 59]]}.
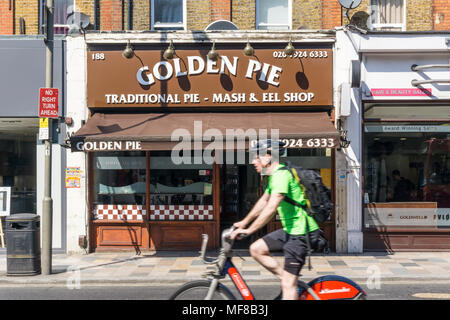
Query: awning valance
{"points": [[163, 131]]}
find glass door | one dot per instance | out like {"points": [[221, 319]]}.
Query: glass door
{"points": [[240, 189]]}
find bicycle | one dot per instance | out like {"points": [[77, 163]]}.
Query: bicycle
{"points": [[329, 287]]}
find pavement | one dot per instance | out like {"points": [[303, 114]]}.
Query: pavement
{"points": [[177, 267]]}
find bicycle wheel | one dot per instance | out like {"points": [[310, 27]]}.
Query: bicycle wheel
{"points": [[197, 290]]}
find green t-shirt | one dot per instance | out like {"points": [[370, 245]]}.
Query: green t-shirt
{"points": [[292, 217]]}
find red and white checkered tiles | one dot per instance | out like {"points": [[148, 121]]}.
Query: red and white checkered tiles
{"points": [[181, 212], [119, 212], [157, 212]]}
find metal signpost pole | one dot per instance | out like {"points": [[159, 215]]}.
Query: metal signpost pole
{"points": [[47, 204]]}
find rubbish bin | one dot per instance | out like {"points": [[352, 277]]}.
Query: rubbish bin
{"points": [[23, 244]]}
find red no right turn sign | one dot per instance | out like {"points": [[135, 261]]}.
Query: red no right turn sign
{"points": [[48, 102]]}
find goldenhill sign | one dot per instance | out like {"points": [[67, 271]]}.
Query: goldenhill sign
{"points": [[270, 78]]}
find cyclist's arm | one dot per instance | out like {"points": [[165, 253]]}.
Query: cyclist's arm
{"points": [[255, 211], [267, 213]]}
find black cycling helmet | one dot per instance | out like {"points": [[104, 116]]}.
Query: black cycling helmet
{"points": [[267, 146]]}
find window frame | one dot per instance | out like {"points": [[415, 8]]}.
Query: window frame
{"points": [[382, 26], [367, 120], [163, 26], [268, 25], [42, 18]]}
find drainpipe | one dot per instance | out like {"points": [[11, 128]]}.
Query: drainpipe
{"points": [[130, 14], [96, 15]]}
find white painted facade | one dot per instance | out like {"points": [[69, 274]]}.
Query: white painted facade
{"points": [[77, 204], [385, 61]]}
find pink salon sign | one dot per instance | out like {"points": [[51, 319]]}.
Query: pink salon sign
{"points": [[401, 92]]}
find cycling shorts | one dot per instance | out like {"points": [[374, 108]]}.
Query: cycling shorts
{"points": [[294, 248]]}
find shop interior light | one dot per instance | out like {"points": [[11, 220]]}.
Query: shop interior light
{"points": [[248, 50], [289, 50], [170, 51], [128, 52], [213, 54]]}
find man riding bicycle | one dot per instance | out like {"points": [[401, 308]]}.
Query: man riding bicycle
{"points": [[291, 239]]}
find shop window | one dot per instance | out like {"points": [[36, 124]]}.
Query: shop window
{"points": [[168, 14], [17, 166], [119, 178], [387, 15], [179, 184], [61, 8], [241, 185], [119, 185], [180, 191], [274, 14], [407, 175]]}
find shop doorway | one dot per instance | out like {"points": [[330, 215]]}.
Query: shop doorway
{"points": [[240, 188]]}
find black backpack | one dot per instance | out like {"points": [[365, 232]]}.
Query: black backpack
{"points": [[318, 196]]}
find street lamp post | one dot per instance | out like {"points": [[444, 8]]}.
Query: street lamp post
{"points": [[47, 203]]}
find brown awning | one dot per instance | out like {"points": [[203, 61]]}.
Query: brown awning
{"points": [[154, 131]]}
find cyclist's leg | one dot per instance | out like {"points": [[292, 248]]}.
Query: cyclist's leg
{"points": [[289, 286], [295, 251], [260, 251]]}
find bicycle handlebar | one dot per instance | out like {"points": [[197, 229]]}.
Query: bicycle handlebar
{"points": [[227, 244], [203, 250]]}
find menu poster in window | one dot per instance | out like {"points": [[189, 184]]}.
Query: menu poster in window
{"points": [[5, 201], [73, 177]]}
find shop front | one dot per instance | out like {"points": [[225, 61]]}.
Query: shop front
{"points": [[21, 151], [167, 140], [406, 146], [407, 176]]}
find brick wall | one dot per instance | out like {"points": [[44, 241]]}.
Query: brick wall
{"points": [[87, 7], [421, 15], [440, 14], [29, 11], [111, 15], [361, 11], [243, 14], [418, 15], [306, 14], [331, 14], [6, 17], [220, 10], [141, 15], [198, 14]]}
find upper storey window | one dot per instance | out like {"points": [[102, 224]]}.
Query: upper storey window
{"points": [[61, 10], [274, 14], [168, 14], [388, 15]]}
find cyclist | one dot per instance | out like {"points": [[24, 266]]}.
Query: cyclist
{"points": [[291, 239]]}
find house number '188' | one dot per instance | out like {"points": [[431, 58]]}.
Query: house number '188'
{"points": [[98, 56]]}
